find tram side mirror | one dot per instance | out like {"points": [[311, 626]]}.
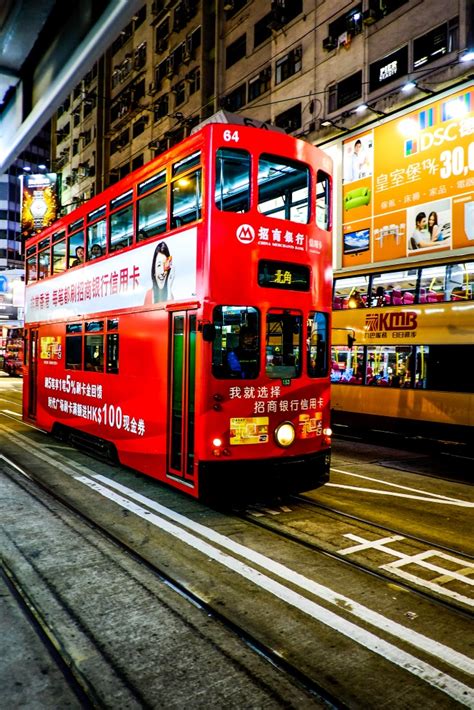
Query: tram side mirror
{"points": [[208, 332]]}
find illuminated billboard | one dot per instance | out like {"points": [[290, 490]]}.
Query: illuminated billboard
{"points": [[12, 296], [39, 202], [409, 183]]}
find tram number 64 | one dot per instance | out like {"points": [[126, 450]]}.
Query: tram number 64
{"points": [[112, 416], [231, 136]]}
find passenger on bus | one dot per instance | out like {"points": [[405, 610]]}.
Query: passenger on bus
{"points": [[379, 298], [243, 361], [162, 276], [96, 251], [79, 256]]}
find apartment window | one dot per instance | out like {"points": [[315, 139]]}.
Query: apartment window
{"points": [[194, 81], [289, 120], [137, 162], [350, 22], [161, 107], [345, 92], [162, 34], [435, 44], [236, 51], [283, 11], [179, 91], [235, 7], [139, 126], [262, 30], [140, 56], [288, 66], [259, 84], [380, 9], [236, 99]]}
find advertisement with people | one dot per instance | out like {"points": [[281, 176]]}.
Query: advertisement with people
{"points": [[154, 273], [409, 183]]}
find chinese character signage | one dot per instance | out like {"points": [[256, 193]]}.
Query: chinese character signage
{"points": [[409, 184], [153, 273], [39, 202]]}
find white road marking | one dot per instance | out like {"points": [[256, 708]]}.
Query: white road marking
{"points": [[424, 495], [419, 559], [9, 411], [433, 676]]}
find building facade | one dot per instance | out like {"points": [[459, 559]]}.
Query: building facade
{"points": [[317, 69]]}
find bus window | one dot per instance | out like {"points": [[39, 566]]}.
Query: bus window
{"points": [[76, 249], [31, 270], [152, 182], [283, 188], [96, 237], [232, 180], [112, 363], [121, 229], [44, 263], [94, 353], [347, 365], [351, 292], [186, 199], [317, 343], [283, 344], [152, 214], [236, 347], [73, 352], [122, 200], [460, 281], [190, 161], [323, 200], [59, 257], [433, 284]]}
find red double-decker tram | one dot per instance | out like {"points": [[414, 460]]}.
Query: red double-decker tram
{"points": [[179, 321]]}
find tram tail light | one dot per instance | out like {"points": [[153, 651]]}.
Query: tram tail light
{"points": [[217, 446]]}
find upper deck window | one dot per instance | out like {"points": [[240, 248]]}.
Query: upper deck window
{"points": [[78, 224], [152, 182], [186, 199], [121, 229], [97, 239], [283, 188], [186, 163], [323, 200], [76, 249], [59, 255], [96, 214], [122, 200], [232, 180], [31, 269], [152, 214]]}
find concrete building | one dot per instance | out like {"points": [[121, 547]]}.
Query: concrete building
{"points": [[303, 65]]}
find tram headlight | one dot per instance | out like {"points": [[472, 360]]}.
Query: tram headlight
{"points": [[285, 434]]}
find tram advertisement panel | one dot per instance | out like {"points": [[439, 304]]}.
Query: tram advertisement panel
{"points": [[153, 273], [409, 184]]}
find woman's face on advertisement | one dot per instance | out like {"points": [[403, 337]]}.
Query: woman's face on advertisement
{"points": [[431, 220], [160, 272]]}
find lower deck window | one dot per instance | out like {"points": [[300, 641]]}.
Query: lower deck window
{"points": [[283, 344], [236, 347], [94, 351], [428, 367]]}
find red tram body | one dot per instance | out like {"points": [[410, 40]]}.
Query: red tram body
{"points": [[192, 341]]}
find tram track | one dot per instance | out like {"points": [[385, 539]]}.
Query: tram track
{"points": [[78, 683], [270, 524]]}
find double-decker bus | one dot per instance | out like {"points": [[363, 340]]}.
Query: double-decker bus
{"points": [[403, 350], [180, 320], [13, 357]]}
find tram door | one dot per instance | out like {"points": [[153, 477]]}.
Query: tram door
{"points": [[182, 395], [32, 346]]}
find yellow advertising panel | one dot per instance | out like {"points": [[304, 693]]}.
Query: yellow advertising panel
{"points": [[50, 348], [409, 184], [249, 430]]}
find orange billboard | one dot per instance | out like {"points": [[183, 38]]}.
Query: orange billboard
{"points": [[408, 184]]}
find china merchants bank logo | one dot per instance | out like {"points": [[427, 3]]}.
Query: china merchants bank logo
{"points": [[245, 233]]}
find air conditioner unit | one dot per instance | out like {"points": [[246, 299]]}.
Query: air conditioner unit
{"points": [[155, 7], [369, 17], [152, 88], [186, 54], [162, 45], [329, 44]]}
